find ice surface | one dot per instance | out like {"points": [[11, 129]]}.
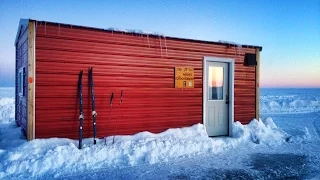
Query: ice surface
{"points": [[274, 101], [7, 92]]}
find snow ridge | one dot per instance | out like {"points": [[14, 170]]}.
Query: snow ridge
{"points": [[289, 104], [56, 156], [289, 100]]}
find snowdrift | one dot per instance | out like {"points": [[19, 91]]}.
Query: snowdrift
{"points": [[45, 156]]}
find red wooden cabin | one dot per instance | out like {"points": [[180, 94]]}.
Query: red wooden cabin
{"points": [[223, 85]]}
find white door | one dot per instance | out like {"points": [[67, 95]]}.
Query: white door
{"points": [[217, 99]]}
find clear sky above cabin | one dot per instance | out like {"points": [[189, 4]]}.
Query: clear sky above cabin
{"points": [[289, 31]]}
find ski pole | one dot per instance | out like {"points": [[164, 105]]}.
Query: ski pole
{"points": [[94, 113], [117, 117], [80, 109], [111, 98]]}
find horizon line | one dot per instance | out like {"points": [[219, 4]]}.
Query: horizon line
{"points": [[306, 87]]}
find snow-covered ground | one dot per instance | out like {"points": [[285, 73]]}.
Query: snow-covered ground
{"points": [[284, 146]]}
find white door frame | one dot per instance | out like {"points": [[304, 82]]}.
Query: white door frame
{"points": [[231, 88]]}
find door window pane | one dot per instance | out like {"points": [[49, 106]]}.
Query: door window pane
{"points": [[215, 83]]}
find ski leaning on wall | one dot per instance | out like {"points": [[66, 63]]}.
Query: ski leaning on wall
{"points": [[80, 108], [94, 113]]}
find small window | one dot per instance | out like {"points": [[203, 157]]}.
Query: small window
{"points": [[21, 81], [215, 83]]}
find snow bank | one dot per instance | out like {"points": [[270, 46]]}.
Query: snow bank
{"points": [[260, 132], [7, 109], [43, 156]]}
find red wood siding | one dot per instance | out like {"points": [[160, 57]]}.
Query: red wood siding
{"points": [[140, 65]]}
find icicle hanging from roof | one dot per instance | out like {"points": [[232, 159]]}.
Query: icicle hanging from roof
{"points": [[237, 46], [148, 40], [160, 46], [165, 44]]}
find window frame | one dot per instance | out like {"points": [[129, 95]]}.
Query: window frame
{"points": [[21, 81], [219, 97]]}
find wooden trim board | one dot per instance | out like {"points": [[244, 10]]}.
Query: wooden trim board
{"points": [[258, 84], [31, 81]]}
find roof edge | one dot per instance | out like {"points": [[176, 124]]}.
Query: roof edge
{"points": [[149, 34], [22, 22]]}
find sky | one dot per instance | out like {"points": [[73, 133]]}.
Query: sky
{"points": [[288, 31]]}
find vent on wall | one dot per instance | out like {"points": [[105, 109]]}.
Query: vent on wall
{"points": [[250, 59]]}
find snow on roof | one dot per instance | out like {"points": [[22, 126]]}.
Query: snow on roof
{"points": [[134, 31], [231, 43]]}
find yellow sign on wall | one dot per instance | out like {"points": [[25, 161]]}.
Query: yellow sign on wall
{"points": [[184, 77]]}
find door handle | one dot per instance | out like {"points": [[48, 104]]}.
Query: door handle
{"points": [[227, 99]]}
